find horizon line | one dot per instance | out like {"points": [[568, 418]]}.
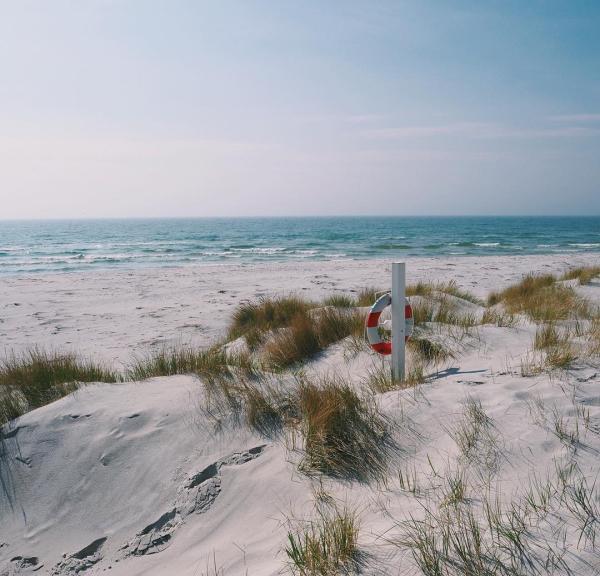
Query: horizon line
{"points": [[291, 216]]}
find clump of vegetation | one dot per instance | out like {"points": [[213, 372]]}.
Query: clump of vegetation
{"points": [[556, 344], [584, 274], [344, 435], [299, 341], [523, 290], [593, 337], [548, 336], [488, 538], [37, 377], [560, 357], [379, 378], [212, 362], [428, 351], [267, 408], [455, 489], [451, 288], [325, 546], [367, 296], [541, 298], [473, 434], [309, 334], [340, 301], [442, 310], [499, 318], [267, 314]]}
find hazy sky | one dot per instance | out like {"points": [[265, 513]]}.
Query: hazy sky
{"points": [[190, 108]]}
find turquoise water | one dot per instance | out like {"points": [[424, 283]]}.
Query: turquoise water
{"points": [[75, 245]]}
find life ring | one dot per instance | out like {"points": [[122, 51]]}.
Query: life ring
{"points": [[373, 336]]}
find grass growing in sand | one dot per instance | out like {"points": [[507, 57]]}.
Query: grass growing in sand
{"points": [[490, 538], [541, 298], [343, 433], [326, 545], [309, 334], [379, 378], [584, 274], [340, 301], [38, 377], [451, 288], [212, 362], [367, 296], [267, 314]]}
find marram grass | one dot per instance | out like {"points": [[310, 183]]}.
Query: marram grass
{"points": [[38, 377]]}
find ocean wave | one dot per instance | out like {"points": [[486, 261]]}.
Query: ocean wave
{"points": [[256, 250], [392, 246], [585, 244], [487, 244]]}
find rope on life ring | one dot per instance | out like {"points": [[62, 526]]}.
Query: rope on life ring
{"points": [[376, 342]]}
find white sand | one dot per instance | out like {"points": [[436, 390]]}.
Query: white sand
{"points": [[121, 462], [113, 315]]}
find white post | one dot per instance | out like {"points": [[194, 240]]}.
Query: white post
{"points": [[398, 319]]}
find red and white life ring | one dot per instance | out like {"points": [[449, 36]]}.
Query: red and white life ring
{"points": [[373, 336]]}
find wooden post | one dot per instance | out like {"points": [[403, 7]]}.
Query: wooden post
{"points": [[398, 319]]}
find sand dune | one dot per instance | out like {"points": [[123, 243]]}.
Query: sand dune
{"points": [[140, 478]]}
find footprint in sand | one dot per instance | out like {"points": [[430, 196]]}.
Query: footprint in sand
{"points": [[20, 565], [196, 496], [80, 561]]}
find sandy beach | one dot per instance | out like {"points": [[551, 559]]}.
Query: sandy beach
{"points": [[142, 478], [114, 315]]}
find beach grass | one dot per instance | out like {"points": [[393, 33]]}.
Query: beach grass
{"points": [[556, 345], [340, 301], [37, 377], [451, 288], [541, 298], [210, 362], [368, 295], [267, 314], [344, 435], [310, 333], [583, 274], [325, 546]]}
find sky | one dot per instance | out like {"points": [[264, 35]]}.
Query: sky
{"points": [[146, 108]]}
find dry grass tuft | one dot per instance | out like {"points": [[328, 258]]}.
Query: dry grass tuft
{"points": [[212, 362], [367, 296], [593, 337], [442, 309], [499, 318], [379, 379], [326, 545], [428, 351], [451, 288], [340, 301], [266, 314], [38, 377], [557, 346], [309, 334], [344, 434], [541, 298], [584, 274], [293, 344]]}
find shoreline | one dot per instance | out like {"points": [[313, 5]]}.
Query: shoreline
{"points": [[240, 263], [114, 315]]}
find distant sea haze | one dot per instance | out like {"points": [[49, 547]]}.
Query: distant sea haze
{"points": [[33, 247]]}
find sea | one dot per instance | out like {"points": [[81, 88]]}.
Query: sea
{"points": [[63, 246]]}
